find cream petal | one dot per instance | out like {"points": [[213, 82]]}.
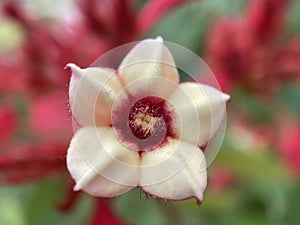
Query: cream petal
{"points": [[92, 92], [176, 171], [149, 59], [198, 112], [100, 165]]}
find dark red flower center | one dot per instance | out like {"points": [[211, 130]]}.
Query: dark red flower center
{"points": [[144, 124]]}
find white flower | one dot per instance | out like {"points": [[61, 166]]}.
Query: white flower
{"points": [[140, 127]]}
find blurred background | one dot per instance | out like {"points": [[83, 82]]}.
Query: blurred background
{"points": [[252, 46]]}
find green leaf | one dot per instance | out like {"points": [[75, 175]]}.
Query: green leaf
{"points": [[42, 200], [36, 204], [136, 208], [292, 216], [293, 16], [289, 96], [10, 35], [174, 26], [258, 110], [188, 25], [253, 165], [11, 207]]}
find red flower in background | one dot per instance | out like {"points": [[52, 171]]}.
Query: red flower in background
{"points": [[34, 70], [289, 147], [265, 19], [8, 121], [248, 52], [35, 127], [104, 215], [24, 162]]}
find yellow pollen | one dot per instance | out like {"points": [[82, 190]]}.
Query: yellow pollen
{"points": [[145, 122]]}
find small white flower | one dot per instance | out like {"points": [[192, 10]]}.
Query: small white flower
{"points": [[140, 127]]}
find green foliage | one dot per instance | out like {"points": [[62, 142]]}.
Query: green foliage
{"points": [[294, 17], [10, 35], [188, 25], [37, 204], [11, 207], [259, 167], [136, 208], [258, 110], [289, 96], [292, 206]]}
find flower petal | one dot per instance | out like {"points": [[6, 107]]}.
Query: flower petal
{"points": [[149, 59], [198, 112], [100, 165], [177, 171], [92, 93]]}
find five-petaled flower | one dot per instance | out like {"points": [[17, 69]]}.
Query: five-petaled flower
{"points": [[139, 127]]}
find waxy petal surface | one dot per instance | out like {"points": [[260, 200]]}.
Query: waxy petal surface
{"points": [[176, 171], [149, 59], [92, 92], [100, 165], [198, 112]]}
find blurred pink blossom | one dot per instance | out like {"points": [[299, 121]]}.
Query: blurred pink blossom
{"points": [[8, 121], [34, 70], [248, 52], [34, 133], [23, 162], [289, 147]]}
